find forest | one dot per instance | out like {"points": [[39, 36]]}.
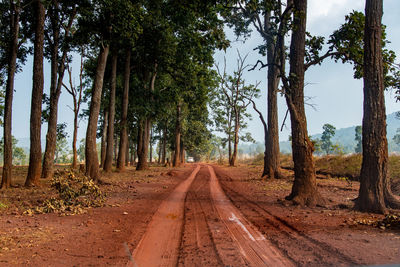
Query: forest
{"points": [[162, 111]]}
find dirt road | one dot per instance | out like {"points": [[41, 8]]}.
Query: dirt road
{"points": [[198, 225]]}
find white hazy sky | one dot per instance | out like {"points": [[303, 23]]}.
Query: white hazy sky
{"points": [[336, 95]]}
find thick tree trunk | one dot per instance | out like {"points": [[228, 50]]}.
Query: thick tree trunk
{"points": [[51, 136], [92, 162], [104, 139], [375, 194], [124, 114], [12, 63], [57, 68], [111, 115], [74, 140], [151, 146], [176, 160], [127, 154], [35, 154], [272, 153], [182, 152], [164, 145], [143, 144], [232, 160], [304, 190]]}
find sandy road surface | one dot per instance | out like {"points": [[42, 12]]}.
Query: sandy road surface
{"points": [[198, 225]]}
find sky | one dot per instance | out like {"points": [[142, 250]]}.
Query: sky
{"points": [[335, 95]]}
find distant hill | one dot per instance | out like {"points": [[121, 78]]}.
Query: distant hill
{"points": [[345, 136]]}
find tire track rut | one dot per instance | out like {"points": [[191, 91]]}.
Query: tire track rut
{"points": [[281, 233]]}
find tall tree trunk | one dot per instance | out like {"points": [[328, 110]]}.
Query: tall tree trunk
{"points": [[272, 153], [104, 139], [145, 128], [151, 146], [127, 154], [92, 161], [375, 194], [177, 161], [159, 150], [111, 115], [51, 136], [12, 64], [182, 153], [57, 68], [124, 114], [74, 140], [232, 161], [132, 155], [35, 154], [304, 190], [164, 144], [143, 144]]}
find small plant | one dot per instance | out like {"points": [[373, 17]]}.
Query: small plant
{"points": [[3, 206]]}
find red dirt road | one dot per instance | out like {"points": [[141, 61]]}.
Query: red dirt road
{"points": [[160, 243]]}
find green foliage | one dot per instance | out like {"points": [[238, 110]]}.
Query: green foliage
{"points": [[358, 139], [19, 155], [75, 194], [328, 133], [348, 41], [61, 143]]}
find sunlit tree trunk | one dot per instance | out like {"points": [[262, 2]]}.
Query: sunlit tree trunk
{"points": [[104, 139], [35, 154], [92, 161], [375, 194], [304, 190]]}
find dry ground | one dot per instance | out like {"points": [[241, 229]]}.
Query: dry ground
{"points": [[333, 235]]}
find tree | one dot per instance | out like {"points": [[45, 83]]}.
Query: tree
{"points": [[76, 93], [304, 190], [124, 114], [237, 96], [14, 22], [271, 22], [358, 139], [35, 152], [374, 194], [111, 114], [327, 134], [61, 16]]}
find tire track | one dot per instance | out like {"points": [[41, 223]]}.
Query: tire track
{"points": [[197, 245], [159, 245], [282, 233], [255, 249]]}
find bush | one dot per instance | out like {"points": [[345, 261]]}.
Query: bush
{"points": [[75, 194]]}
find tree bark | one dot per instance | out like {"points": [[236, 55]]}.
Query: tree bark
{"points": [[124, 114], [57, 70], [104, 139], [35, 154], [143, 144], [92, 162], [272, 153], [375, 194], [111, 115], [164, 145], [127, 154], [304, 190], [151, 146], [177, 161], [232, 160], [12, 64]]}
